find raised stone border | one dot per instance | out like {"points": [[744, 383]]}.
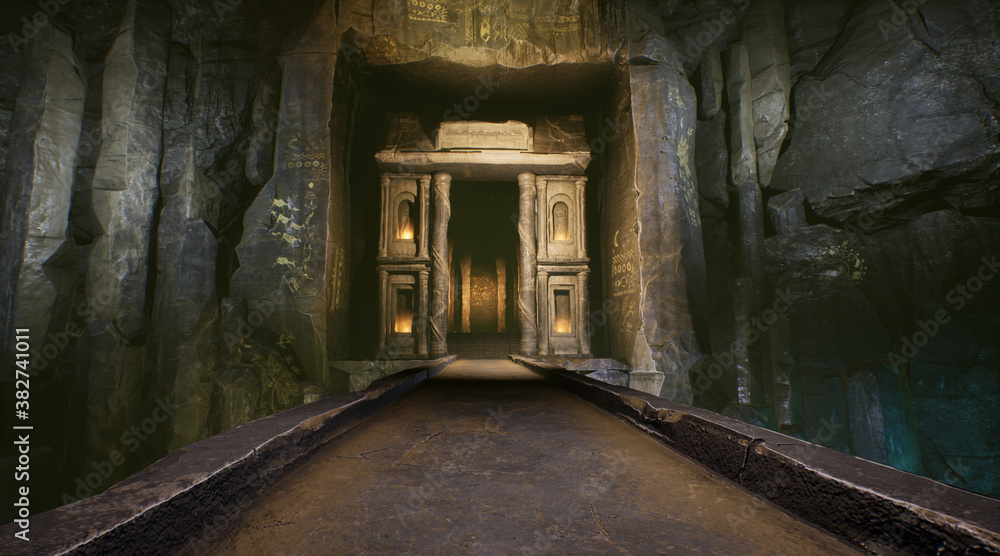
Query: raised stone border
{"points": [[872, 506], [197, 492]]}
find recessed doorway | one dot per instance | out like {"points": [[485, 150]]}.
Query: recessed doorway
{"points": [[483, 244]]}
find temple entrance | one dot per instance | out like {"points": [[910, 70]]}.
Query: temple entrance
{"points": [[448, 255], [482, 240]]}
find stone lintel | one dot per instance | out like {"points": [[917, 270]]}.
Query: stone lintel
{"points": [[485, 165]]}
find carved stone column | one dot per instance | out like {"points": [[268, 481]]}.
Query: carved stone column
{"points": [[383, 308], [424, 279], [526, 251], [424, 225], [543, 213], [383, 237], [542, 293], [439, 265], [581, 219], [584, 317]]}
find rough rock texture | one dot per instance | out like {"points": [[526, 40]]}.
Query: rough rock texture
{"points": [[743, 157], [125, 187], [941, 258], [125, 190], [696, 28], [110, 387], [899, 299], [880, 416], [650, 255], [186, 328], [712, 164], [38, 278], [667, 185], [618, 378], [787, 211], [712, 85], [235, 397], [899, 116], [827, 273], [283, 254], [811, 28], [770, 80]]}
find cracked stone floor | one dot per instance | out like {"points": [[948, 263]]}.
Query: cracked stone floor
{"points": [[487, 458]]}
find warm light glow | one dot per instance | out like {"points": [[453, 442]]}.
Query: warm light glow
{"points": [[404, 323], [563, 320], [405, 215], [560, 222], [562, 324], [404, 312]]}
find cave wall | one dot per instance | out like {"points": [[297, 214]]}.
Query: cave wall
{"points": [[178, 213], [883, 208], [138, 138]]}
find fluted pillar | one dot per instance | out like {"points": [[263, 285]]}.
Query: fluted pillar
{"points": [[542, 218], [383, 236], [581, 218], [425, 187], [542, 295], [439, 265], [424, 278], [526, 251], [584, 316], [383, 308]]}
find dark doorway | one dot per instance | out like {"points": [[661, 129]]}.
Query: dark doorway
{"points": [[483, 247]]}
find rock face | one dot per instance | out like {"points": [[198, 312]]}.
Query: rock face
{"points": [[900, 114], [655, 280], [905, 301], [787, 211], [712, 85], [880, 415], [39, 276], [743, 161], [125, 187], [124, 194], [283, 254], [770, 84]]}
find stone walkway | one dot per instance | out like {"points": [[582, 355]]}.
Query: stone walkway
{"points": [[487, 458]]}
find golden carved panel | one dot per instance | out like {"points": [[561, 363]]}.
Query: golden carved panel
{"points": [[428, 10]]}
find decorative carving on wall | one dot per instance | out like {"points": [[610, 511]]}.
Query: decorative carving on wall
{"points": [[428, 10], [307, 163]]}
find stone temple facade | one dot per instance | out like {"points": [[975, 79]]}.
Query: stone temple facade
{"points": [[414, 252]]}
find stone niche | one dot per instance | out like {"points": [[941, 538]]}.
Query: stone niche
{"points": [[562, 266], [414, 261], [403, 265]]}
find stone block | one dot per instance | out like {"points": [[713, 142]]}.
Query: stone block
{"points": [[787, 211]]}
